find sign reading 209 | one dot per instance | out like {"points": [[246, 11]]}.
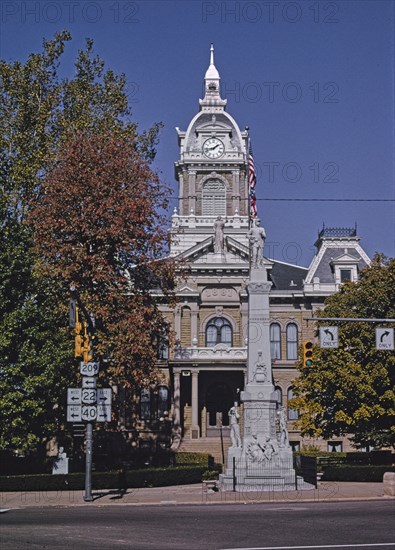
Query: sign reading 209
{"points": [[89, 369]]}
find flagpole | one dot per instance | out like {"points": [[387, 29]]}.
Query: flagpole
{"points": [[248, 177]]}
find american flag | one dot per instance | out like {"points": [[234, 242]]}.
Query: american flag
{"points": [[252, 182]]}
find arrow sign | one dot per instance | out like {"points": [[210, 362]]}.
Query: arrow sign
{"points": [[73, 413], [73, 396], [103, 413], [104, 396], [385, 338], [89, 382], [329, 337]]}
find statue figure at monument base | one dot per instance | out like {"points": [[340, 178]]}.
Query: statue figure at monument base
{"points": [[234, 427]]}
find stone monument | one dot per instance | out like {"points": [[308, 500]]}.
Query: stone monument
{"points": [[61, 464], [264, 458]]}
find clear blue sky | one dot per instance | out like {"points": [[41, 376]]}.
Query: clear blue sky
{"points": [[314, 81]]}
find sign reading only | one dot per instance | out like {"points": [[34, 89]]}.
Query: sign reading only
{"points": [[329, 337], [385, 338]]}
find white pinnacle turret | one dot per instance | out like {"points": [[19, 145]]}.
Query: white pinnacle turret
{"points": [[211, 85], [212, 73]]}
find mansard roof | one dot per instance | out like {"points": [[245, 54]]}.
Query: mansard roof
{"points": [[287, 276], [336, 246]]}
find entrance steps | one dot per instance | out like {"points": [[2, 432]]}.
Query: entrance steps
{"points": [[210, 445]]}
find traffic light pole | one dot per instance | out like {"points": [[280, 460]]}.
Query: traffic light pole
{"points": [[74, 300], [349, 319], [88, 462]]}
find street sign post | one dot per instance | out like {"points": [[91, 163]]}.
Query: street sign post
{"points": [[329, 337], [385, 338]]}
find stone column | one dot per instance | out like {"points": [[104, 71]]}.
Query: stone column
{"points": [[176, 429], [236, 191], [195, 405], [194, 321], [176, 399], [192, 191], [177, 322], [181, 193]]}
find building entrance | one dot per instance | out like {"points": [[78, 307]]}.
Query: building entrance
{"points": [[219, 399]]}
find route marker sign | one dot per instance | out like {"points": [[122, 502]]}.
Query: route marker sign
{"points": [[89, 369], [73, 413], [329, 337], [385, 338], [88, 396], [88, 413], [74, 396]]}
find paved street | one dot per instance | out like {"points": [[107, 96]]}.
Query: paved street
{"points": [[367, 525]]}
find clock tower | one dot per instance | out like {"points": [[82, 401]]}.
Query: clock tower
{"points": [[211, 170], [209, 234]]}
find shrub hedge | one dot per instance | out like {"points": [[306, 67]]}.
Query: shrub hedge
{"points": [[148, 477], [364, 472], [201, 459]]}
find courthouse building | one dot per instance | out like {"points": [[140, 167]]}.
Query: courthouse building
{"points": [[203, 374]]}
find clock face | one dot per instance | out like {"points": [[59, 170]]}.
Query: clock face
{"points": [[213, 148]]}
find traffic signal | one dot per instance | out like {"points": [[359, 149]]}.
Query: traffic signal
{"points": [[79, 339], [307, 353], [88, 346]]}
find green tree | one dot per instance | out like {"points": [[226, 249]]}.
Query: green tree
{"points": [[39, 113], [350, 390]]}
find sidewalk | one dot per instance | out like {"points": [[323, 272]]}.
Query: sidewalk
{"points": [[193, 494]]}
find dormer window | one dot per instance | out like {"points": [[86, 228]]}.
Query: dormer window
{"points": [[345, 275], [345, 267]]}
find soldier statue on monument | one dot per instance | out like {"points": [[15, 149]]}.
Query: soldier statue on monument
{"points": [[257, 237]]}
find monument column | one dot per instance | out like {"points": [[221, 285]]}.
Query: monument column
{"points": [[264, 459]]}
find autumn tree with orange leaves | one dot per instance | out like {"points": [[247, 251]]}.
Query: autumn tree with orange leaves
{"points": [[77, 205], [97, 226]]}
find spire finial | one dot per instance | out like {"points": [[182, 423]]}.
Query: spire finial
{"points": [[212, 54]]}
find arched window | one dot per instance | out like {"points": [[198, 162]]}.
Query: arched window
{"points": [[214, 198], [278, 395], [163, 400], [219, 331], [293, 414], [145, 404], [275, 341], [292, 341]]}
